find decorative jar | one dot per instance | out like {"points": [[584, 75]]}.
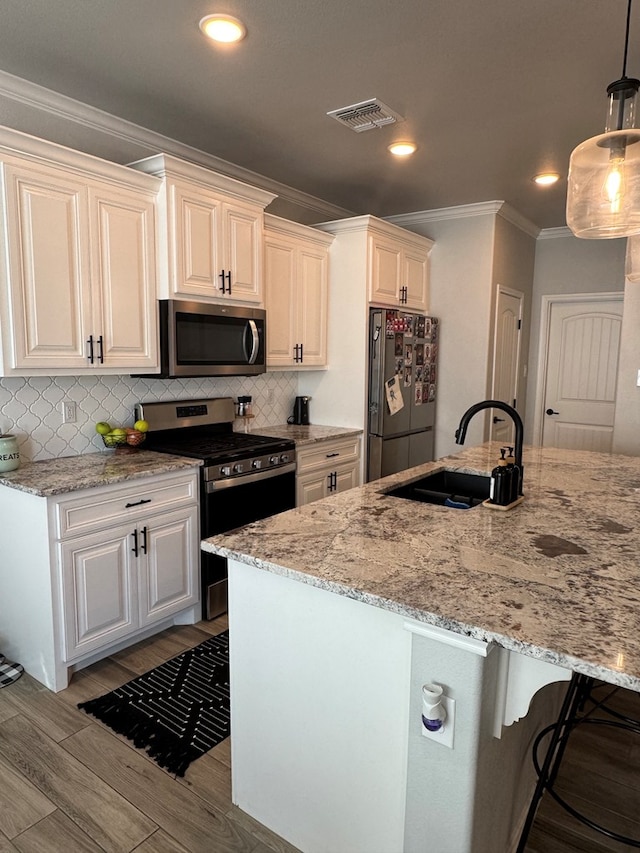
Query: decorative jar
{"points": [[9, 453]]}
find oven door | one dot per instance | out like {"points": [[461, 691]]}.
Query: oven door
{"points": [[229, 504]]}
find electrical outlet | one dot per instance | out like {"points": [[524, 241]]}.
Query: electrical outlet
{"points": [[69, 413]]}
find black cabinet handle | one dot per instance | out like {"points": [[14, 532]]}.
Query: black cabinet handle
{"points": [[331, 455], [90, 345], [498, 420], [137, 503], [551, 412], [333, 481], [101, 350], [229, 282], [144, 540], [297, 355], [222, 276], [135, 542]]}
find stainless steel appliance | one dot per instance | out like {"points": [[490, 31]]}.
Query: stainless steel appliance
{"points": [[244, 478], [202, 339], [403, 378]]}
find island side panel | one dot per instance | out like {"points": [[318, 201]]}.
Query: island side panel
{"points": [[319, 704], [27, 633]]}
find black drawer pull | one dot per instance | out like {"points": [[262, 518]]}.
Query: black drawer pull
{"points": [[137, 503], [329, 455]]}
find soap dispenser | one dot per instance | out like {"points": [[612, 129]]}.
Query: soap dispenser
{"points": [[500, 490], [515, 475]]}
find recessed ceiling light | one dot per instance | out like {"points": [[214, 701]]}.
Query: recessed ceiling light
{"points": [[545, 179], [402, 149], [223, 28]]}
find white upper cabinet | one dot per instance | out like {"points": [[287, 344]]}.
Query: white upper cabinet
{"points": [[296, 265], [78, 273], [399, 269], [210, 233]]}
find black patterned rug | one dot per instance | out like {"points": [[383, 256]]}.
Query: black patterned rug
{"points": [[177, 711]]}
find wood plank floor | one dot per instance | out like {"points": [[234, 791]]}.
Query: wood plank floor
{"points": [[68, 783]]}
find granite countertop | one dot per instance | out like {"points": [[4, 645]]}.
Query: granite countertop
{"points": [[307, 434], [556, 578], [71, 473]]}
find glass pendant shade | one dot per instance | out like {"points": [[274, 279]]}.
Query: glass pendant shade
{"points": [[632, 261], [603, 193]]}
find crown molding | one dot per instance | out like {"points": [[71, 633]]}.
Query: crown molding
{"points": [[53, 103], [463, 211], [555, 233]]}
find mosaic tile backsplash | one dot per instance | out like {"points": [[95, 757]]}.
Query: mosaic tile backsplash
{"points": [[31, 408]]}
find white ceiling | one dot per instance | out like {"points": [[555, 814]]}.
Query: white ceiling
{"points": [[493, 91]]}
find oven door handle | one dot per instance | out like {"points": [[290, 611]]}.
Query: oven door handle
{"points": [[255, 345], [217, 485]]}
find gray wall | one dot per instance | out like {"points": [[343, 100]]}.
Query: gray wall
{"points": [[626, 426], [566, 264]]}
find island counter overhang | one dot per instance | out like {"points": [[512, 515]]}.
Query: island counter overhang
{"points": [[556, 578]]}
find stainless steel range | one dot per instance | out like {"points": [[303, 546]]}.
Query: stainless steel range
{"points": [[245, 477]]}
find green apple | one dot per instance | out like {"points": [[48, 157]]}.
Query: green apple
{"points": [[118, 431], [141, 426], [103, 427]]}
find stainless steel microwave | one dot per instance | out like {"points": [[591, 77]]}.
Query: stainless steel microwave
{"points": [[202, 339]]}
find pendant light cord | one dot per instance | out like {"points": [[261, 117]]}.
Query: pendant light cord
{"points": [[626, 41]]}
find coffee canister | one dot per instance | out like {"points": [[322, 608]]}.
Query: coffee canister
{"points": [[9, 453]]}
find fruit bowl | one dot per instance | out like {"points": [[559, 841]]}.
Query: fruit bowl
{"points": [[114, 440]]}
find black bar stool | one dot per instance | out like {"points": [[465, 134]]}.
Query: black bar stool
{"points": [[573, 714]]}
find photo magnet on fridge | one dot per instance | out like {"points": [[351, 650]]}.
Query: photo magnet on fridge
{"points": [[399, 343], [393, 393]]}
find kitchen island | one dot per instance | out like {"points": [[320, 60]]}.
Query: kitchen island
{"points": [[339, 611]]}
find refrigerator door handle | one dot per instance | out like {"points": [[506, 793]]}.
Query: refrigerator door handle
{"points": [[376, 372]]}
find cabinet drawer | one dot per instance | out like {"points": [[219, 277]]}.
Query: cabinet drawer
{"points": [[328, 454], [95, 508]]}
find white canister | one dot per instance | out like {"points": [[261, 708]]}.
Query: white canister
{"points": [[9, 453]]}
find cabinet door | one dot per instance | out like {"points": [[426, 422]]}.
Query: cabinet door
{"points": [[280, 301], [415, 277], [242, 251], [347, 478], [311, 488], [123, 274], [194, 243], [312, 305], [99, 600], [169, 571], [385, 259], [46, 214]]}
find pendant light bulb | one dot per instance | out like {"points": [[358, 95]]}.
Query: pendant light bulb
{"points": [[603, 187]]}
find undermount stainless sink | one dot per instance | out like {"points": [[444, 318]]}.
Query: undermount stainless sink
{"points": [[446, 488]]}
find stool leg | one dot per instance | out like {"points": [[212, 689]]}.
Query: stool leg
{"points": [[573, 697]]}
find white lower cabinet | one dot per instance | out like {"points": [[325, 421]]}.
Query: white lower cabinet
{"points": [[326, 468], [118, 580], [88, 572]]}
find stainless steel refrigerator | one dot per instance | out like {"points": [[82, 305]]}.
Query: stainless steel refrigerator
{"points": [[403, 377]]}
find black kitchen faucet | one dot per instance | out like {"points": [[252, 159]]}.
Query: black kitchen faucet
{"points": [[515, 417]]}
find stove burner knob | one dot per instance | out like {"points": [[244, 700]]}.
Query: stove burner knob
{"points": [[225, 471], [257, 463], [273, 460], [238, 468], [284, 458]]}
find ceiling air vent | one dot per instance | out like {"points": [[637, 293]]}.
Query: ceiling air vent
{"points": [[367, 115]]}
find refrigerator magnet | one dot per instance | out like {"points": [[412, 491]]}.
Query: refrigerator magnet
{"points": [[420, 326], [418, 394], [419, 373], [419, 354], [408, 354], [399, 344], [393, 392], [407, 376], [432, 393], [399, 366]]}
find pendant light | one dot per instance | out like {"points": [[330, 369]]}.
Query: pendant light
{"points": [[603, 193]]}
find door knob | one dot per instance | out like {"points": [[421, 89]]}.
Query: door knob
{"points": [[498, 420], [551, 412]]}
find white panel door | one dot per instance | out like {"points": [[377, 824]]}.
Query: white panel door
{"points": [[169, 570], [416, 278], [49, 288], [385, 259], [313, 304], [99, 590], [242, 248], [506, 361], [280, 300], [124, 276], [582, 370], [197, 263]]}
